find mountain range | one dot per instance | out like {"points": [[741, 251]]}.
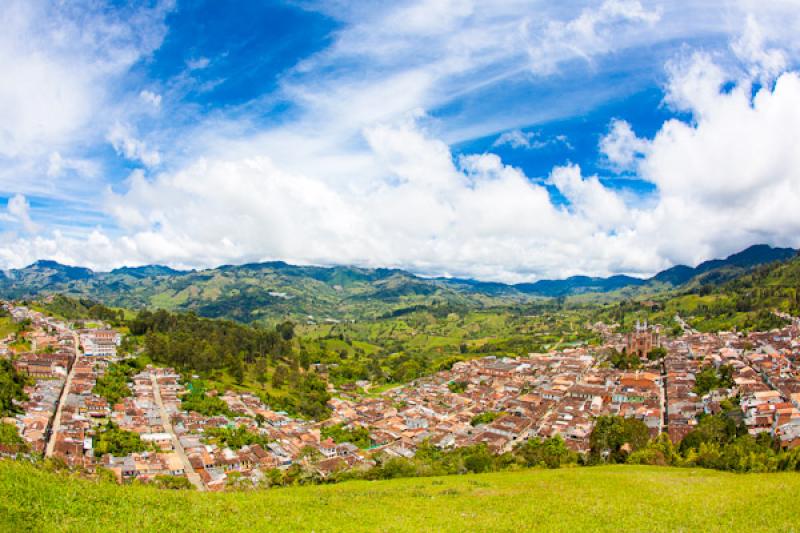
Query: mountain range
{"points": [[273, 290]]}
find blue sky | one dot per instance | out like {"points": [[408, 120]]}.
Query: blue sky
{"points": [[512, 140]]}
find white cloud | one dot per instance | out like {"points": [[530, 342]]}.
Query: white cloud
{"points": [[731, 172], [586, 35], [198, 63], [18, 210], [154, 99], [360, 174], [57, 165], [126, 144], [428, 213], [587, 196], [529, 140], [621, 146], [763, 64], [62, 65]]}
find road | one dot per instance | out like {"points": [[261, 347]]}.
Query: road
{"points": [[686, 327], [51, 442], [664, 399], [193, 477]]}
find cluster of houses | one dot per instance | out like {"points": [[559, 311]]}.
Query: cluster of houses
{"points": [[765, 380], [33, 424], [64, 377], [49, 358], [499, 402], [504, 402]]}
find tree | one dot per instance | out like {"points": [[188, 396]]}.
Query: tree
{"points": [[173, 482], [12, 388], [236, 367], [551, 452], [658, 452], [118, 442], [710, 379], [457, 386], [261, 371], [10, 438], [279, 376], [357, 435], [286, 330], [611, 434], [715, 429], [480, 460]]}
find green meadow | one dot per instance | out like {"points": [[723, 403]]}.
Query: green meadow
{"points": [[613, 498]]}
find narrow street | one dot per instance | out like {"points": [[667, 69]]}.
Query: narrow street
{"points": [[685, 325], [51, 441], [664, 399], [193, 477]]}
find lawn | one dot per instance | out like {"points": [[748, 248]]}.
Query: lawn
{"points": [[620, 498]]}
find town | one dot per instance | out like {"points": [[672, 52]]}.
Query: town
{"points": [[498, 402]]}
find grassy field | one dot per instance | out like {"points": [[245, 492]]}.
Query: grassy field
{"points": [[619, 498], [7, 327]]}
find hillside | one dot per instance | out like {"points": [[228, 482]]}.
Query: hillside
{"points": [[746, 301], [712, 272], [253, 292], [276, 290], [621, 498]]}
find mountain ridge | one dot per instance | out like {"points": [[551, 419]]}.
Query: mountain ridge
{"points": [[268, 290]]}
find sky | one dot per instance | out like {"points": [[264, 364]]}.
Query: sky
{"points": [[509, 140]]}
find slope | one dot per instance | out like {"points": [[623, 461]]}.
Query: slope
{"points": [[620, 498]]}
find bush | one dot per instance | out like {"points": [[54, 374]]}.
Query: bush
{"points": [[551, 453]]}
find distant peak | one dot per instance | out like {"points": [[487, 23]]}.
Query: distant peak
{"points": [[46, 263]]}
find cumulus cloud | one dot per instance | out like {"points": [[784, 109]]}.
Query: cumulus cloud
{"points": [[18, 210], [134, 149], [361, 174], [621, 147], [731, 171], [763, 64]]}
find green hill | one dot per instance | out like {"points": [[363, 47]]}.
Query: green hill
{"points": [[619, 498], [269, 292], [258, 291]]}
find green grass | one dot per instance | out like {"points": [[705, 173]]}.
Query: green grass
{"points": [[621, 498], [7, 326]]}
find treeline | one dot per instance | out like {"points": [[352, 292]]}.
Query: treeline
{"points": [[307, 395], [12, 388], [717, 443], [81, 309], [205, 346], [432, 461], [188, 342]]}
